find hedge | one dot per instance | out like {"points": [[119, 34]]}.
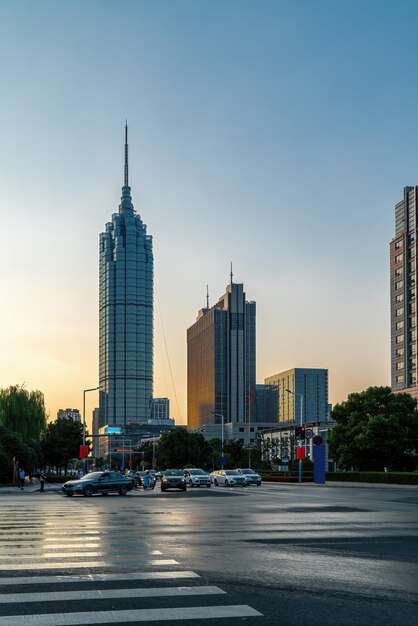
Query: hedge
{"points": [[394, 478]]}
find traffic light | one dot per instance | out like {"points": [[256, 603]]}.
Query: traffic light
{"points": [[300, 433]]}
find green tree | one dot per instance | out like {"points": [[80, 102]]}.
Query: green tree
{"points": [[179, 448], [61, 443], [23, 412], [13, 447], [375, 429], [234, 449]]}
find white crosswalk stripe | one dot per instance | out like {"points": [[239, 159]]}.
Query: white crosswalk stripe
{"points": [[138, 577]]}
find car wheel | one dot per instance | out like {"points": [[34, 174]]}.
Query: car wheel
{"points": [[163, 488], [69, 495], [88, 491], [104, 493], [258, 484], [123, 490], [184, 488], [226, 483], [209, 485], [215, 482]]}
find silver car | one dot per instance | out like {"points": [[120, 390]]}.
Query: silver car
{"points": [[229, 478], [196, 477], [250, 476]]}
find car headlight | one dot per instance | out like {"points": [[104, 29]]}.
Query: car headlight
{"points": [[76, 486]]}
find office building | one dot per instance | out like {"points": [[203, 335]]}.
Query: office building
{"points": [[221, 366], [125, 315], [403, 308], [298, 389], [161, 409]]}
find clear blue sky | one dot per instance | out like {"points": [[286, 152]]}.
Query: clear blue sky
{"points": [[274, 134]]}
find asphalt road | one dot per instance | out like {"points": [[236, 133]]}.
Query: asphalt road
{"points": [[276, 555]]}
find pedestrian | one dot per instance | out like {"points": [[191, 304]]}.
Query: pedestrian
{"points": [[42, 480], [22, 478], [17, 477]]}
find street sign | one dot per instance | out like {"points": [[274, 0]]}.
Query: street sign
{"points": [[113, 430], [285, 459], [300, 454], [308, 433], [223, 462], [317, 440]]}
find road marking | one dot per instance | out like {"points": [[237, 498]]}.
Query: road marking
{"points": [[79, 565], [139, 615], [104, 594], [77, 578]]}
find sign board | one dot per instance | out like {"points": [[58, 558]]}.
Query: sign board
{"points": [[223, 461], [84, 452], [113, 430], [308, 433], [317, 440], [300, 454], [285, 459]]}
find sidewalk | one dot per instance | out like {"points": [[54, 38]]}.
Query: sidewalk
{"points": [[35, 487]]}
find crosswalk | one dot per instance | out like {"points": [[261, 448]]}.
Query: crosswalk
{"points": [[63, 565]]}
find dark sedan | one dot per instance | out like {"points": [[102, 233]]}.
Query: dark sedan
{"points": [[98, 482], [173, 479]]}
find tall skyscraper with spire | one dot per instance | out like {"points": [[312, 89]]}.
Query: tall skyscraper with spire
{"points": [[125, 315]]}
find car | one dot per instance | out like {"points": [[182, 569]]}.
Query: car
{"points": [[98, 482], [229, 478], [251, 477], [173, 479], [196, 477]]}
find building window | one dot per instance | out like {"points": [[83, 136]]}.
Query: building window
{"points": [[399, 297], [399, 244], [399, 312], [400, 351], [400, 379], [399, 271], [399, 284], [400, 365], [399, 325], [399, 339], [399, 258], [414, 335]]}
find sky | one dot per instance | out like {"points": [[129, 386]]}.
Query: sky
{"points": [[277, 135]]}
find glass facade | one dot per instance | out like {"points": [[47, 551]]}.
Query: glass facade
{"points": [[125, 317], [221, 362]]}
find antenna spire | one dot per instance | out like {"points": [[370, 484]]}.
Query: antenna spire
{"points": [[207, 296], [232, 275], [126, 154]]}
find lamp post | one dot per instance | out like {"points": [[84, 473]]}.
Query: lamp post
{"points": [[84, 420], [294, 393], [222, 436]]}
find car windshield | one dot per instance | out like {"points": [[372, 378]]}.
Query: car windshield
{"points": [[247, 471], [197, 471], [173, 473], [92, 476], [231, 473]]}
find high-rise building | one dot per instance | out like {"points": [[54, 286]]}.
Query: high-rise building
{"points": [[403, 307], [299, 389], [125, 315], [221, 365]]}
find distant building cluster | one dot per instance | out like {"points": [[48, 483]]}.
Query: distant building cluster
{"points": [[72, 414]]}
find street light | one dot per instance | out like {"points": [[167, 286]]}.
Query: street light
{"points": [[84, 420], [222, 437], [294, 393]]}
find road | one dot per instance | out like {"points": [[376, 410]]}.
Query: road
{"points": [[276, 555]]}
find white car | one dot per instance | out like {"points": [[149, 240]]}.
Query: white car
{"points": [[250, 476], [229, 478], [196, 477]]}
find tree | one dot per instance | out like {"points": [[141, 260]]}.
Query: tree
{"points": [[234, 449], [23, 412], [61, 443], [178, 448], [375, 429]]}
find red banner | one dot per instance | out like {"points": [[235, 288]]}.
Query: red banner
{"points": [[84, 452], [300, 454]]}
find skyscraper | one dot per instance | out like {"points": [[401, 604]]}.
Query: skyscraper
{"points": [[221, 364], [403, 274], [125, 315]]}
